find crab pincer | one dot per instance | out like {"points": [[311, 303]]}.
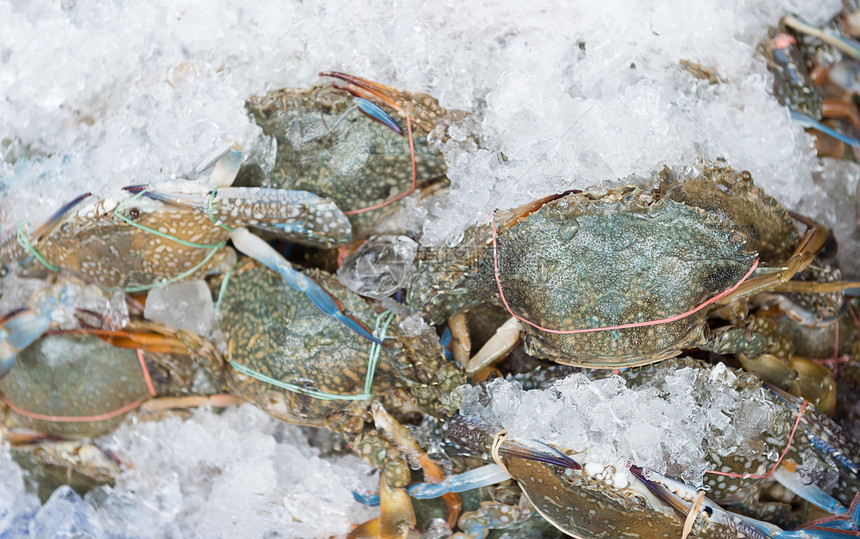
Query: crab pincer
{"points": [[294, 215], [20, 328]]}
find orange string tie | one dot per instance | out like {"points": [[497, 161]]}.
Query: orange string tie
{"points": [[90, 418], [782, 456], [412, 155]]}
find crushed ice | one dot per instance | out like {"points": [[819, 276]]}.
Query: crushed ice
{"points": [[670, 423], [568, 95], [238, 474]]}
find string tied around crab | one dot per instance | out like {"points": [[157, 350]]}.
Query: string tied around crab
{"points": [[667, 320]]}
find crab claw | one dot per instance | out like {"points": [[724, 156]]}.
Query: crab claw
{"points": [[476, 478], [17, 331], [224, 161], [297, 216], [261, 251], [58, 215], [366, 89]]}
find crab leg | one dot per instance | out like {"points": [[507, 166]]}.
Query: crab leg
{"points": [[462, 343], [406, 443], [398, 99], [13, 250], [811, 243], [477, 478], [298, 216], [396, 516], [499, 345], [225, 162], [259, 250], [811, 123]]}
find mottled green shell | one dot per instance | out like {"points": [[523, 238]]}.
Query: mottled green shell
{"points": [[732, 197], [581, 262], [328, 147], [276, 331], [73, 375]]}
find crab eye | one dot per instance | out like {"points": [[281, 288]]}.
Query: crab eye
{"points": [[133, 213]]}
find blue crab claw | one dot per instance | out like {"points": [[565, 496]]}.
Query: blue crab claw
{"points": [[373, 91], [296, 216], [259, 250], [493, 473], [538, 452], [811, 123], [18, 330], [224, 161], [477, 478], [679, 497]]}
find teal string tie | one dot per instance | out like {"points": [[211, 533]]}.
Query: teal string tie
{"points": [[221, 291], [219, 222], [213, 248], [24, 242], [379, 332], [159, 233], [176, 278]]}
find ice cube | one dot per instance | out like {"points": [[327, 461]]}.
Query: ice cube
{"points": [[380, 267], [66, 515], [184, 305]]}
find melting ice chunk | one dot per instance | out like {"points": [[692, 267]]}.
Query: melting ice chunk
{"points": [[17, 507], [668, 420], [66, 515], [380, 267], [186, 305]]}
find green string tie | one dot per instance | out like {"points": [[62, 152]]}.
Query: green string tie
{"points": [[221, 291], [176, 278], [24, 242], [158, 233], [213, 247], [379, 332], [209, 211]]}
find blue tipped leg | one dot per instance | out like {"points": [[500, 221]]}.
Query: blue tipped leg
{"points": [[812, 123], [58, 215], [261, 251], [373, 111], [477, 478]]}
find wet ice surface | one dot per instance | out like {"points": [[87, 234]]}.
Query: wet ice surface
{"points": [[380, 267], [568, 95], [98, 96], [669, 424], [240, 474]]}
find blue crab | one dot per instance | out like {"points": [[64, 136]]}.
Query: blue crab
{"points": [[80, 377], [587, 499], [302, 367], [819, 99], [173, 230], [344, 143], [624, 278], [71, 376]]}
